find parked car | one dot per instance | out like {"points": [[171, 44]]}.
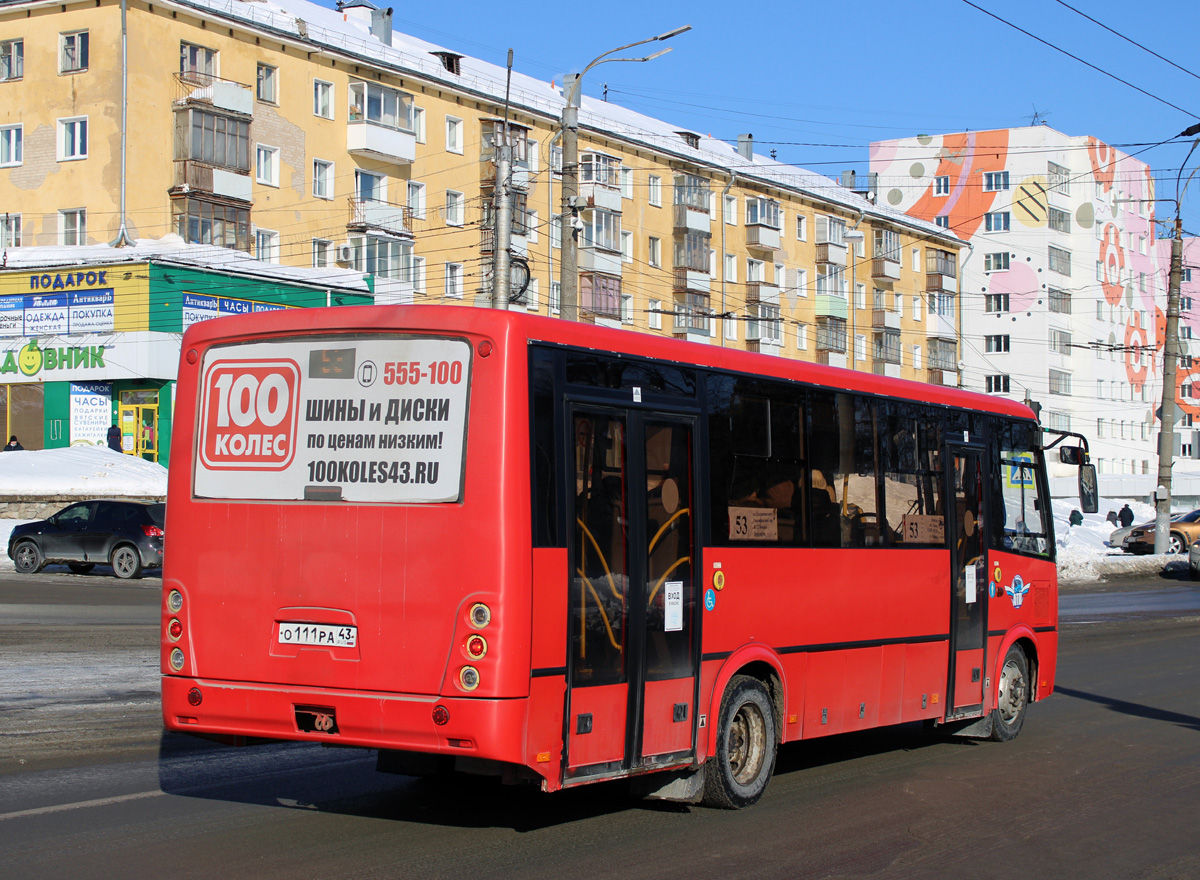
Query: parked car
{"points": [[1185, 530], [128, 535], [1194, 560]]}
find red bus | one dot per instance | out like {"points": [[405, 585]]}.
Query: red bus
{"points": [[481, 541]]}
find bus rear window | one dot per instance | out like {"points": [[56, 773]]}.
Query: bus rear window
{"points": [[372, 420]]}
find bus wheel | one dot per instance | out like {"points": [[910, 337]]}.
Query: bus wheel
{"points": [[737, 776], [1009, 714], [126, 562]]}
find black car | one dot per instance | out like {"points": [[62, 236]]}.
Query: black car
{"points": [[128, 535]]}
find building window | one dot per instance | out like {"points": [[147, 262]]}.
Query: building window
{"points": [[454, 280], [626, 247], [730, 268], [197, 64], [1060, 382], [654, 249], [916, 308], [997, 221], [322, 99], [267, 84], [220, 140], [600, 295], [917, 357], [11, 145], [691, 191], [941, 186], [1059, 301], [370, 187], [379, 105], [1060, 260], [74, 52], [1186, 274], [322, 179], [831, 280], [418, 274], [756, 272], [654, 188], [1060, 341], [831, 334], [454, 208], [942, 221], [998, 343], [943, 355], [656, 310], [72, 138], [626, 183], [454, 129], [599, 169], [266, 165], [998, 384], [322, 253], [419, 123], [266, 245], [1058, 178], [801, 228], [995, 262], [802, 337], [12, 59], [1060, 221], [603, 231], [800, 276], [763, 324], [762, 212], [204, 222], [10, 230], [995, 302], [382, 257], [72, 226], [416, 199], [994, 181], [731, 210], [626, 309]]}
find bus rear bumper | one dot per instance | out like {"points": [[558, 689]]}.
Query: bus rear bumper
{"points": [[491, 729]]}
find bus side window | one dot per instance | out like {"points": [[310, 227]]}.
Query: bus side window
{"points": [[842, 456], [912, 476]]}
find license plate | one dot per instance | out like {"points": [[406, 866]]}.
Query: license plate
{"points": [[318, 634]]}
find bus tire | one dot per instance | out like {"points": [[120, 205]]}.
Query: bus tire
{"points": [[126, 561], [1013, 698], [738, 774], [27, 558]]}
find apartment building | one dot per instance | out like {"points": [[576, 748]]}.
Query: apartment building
{"points": [[1064, 288], [305, 136]]}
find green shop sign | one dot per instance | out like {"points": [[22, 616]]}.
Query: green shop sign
{"points": [[30, 360]]}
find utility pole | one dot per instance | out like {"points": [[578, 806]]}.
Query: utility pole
{"points": [[502, 236], [570, 226]]}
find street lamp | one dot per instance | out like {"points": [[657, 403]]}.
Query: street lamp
{"points": [[854, 236], [569, 263], [1166, 434]]}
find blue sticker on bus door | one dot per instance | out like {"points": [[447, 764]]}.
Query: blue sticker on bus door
{"points": [[710, 599]]}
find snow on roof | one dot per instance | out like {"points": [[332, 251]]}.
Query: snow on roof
{"points": [[171, 249], [307, 21]]}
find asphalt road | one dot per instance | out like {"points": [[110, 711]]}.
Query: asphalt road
{"points": [[1103, 782]]}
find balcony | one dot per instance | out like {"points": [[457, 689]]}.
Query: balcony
{"points": [[939, 282], [518, 244], [380, 142], [828, 252], [764, 238], [369, 214], [941, 271], [886, 368], [885, 319], [212, 91], [686, 280], [760, 291], [940, 326], [604, 197], [693, 315], [593, 259], [521, 177], [831, 358], [942, 377], [692, 219], [885, 269], [192, 176]]}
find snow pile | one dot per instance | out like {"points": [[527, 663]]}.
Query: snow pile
{"points": [[80, 470]]}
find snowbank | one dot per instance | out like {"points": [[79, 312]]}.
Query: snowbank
{"points": [[80, 470]]}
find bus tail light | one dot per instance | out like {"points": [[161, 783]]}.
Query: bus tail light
{"points": [[195, 698], [177, 659], [476, 647], [441, 715], [175, 629], [468, 677], [152, 531], [481, 615]]}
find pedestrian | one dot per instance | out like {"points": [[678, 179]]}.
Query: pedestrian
{"points": [[114, 438], [1076, 518], [14, 445], [1111, 517], [1126, 517]]}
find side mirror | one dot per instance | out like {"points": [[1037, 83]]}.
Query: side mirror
{"points": [[1072, 455], [1089, 497]]}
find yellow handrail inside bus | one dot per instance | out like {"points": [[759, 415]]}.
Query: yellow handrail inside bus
{"points": [[681, 512], [583, 579], [667, 574], [612, 584]]}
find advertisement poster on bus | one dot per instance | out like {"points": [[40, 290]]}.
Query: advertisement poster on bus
{"points": [[374, 420], [91, 412]]}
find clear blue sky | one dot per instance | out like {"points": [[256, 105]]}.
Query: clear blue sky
{"points": [[818, 82]]}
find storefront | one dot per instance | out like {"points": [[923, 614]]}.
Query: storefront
{"points": [[83, 348]]}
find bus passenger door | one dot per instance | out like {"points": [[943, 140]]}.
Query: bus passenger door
{"points": [[631, 677], [969, 575]]}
